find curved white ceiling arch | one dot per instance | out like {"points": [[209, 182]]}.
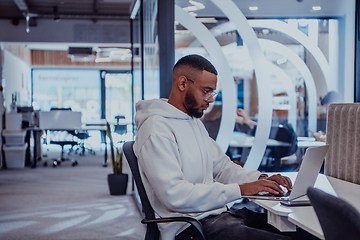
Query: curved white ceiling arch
{"points": [[303, 40], [304, 71], [242, 26], [290, 91], [225, 76], [296, 34]]}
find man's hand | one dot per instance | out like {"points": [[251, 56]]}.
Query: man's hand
{"points": [[266, 184], [282, 180]]}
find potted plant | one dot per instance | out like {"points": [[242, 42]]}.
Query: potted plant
{"points": [[117, 181]]}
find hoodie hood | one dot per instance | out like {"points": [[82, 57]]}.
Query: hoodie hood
{"points": [[161, 107]]}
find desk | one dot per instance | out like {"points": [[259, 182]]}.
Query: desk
{"points": [[287, 218], [305, 142], [244, 141], [248, 142], [97, 125]]}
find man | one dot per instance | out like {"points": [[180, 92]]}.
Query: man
{"points": [[185, 172]]}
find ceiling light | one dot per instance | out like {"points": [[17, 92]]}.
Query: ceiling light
{"points": [[265, 31], [316, 8], [190, 8], [253, 8], [197, 4], [102, 59], [135, 9], [281, 61], [207, 20], [193, 14]]}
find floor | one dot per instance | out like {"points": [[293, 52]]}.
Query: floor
{"points": [[66, 202]]}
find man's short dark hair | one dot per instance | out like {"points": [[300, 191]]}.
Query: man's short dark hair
{"points": [[197, 62]]}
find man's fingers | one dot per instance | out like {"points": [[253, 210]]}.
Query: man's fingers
{"points": [[274, 186], [282, 180], [270, 190], [289, 182]]}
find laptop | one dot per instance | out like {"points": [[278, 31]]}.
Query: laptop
{"points": [[306, 177]]}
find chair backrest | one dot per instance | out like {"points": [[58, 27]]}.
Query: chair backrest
{"points": [[343, 135], [283, 132], [338, 219], [152, 231]]}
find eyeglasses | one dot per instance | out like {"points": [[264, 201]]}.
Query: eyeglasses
{"points": [[208, 94]]}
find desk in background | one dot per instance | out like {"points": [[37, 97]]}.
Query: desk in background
{"points": [[305, 142], [64, 120], [242, 140]]}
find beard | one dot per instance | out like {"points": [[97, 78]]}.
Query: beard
{"points": [[190, 104]]}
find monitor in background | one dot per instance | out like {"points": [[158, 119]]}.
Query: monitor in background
{"points": [[60, 120]]}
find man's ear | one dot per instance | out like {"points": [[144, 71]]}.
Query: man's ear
{"points": [[182, 83]]}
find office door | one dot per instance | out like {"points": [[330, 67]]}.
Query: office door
{"points": [[118, 100]]}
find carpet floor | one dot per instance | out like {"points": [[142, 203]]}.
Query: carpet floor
{"points": [[66, 202]]}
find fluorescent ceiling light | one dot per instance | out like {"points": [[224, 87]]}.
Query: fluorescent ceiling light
{"points": [[193, 14], [102, 59], [134, 9], [253, 8], [190, 8], [197, 4], [281, 61], [265, 31], [208, 20], [316, 8]]}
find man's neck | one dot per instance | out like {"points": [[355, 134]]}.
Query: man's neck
{"points": [[173, 101]]}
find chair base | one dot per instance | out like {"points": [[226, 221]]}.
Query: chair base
{"points": [[58, 161]]}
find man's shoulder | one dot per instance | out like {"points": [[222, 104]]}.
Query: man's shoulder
{"points": [[157, 124]]}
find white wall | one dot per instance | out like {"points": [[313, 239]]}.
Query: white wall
{"points": [[16, 78]]}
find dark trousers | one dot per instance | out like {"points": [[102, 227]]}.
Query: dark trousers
{"points": [[239, 224]]}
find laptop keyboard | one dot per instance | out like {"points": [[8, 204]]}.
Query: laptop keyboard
{"points": [[285, 194]]}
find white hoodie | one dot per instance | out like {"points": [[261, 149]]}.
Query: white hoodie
{"points": [[185, 172]]}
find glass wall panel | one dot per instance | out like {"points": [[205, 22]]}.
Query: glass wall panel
{"points": [[151, 57], [68, 88], [286, 76]]}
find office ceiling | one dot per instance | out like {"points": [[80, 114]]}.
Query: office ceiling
{"points": [[120, 9], [276, 8], [94, 10], [66, 9]]}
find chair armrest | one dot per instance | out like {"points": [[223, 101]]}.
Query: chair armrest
{"points": [[192, 221]]}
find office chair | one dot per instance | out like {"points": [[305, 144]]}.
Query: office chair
{"points": [[152, 231], [338, 219], [62, 143], [61, 140], [283, 132], [81, 146], [120, 128]]}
